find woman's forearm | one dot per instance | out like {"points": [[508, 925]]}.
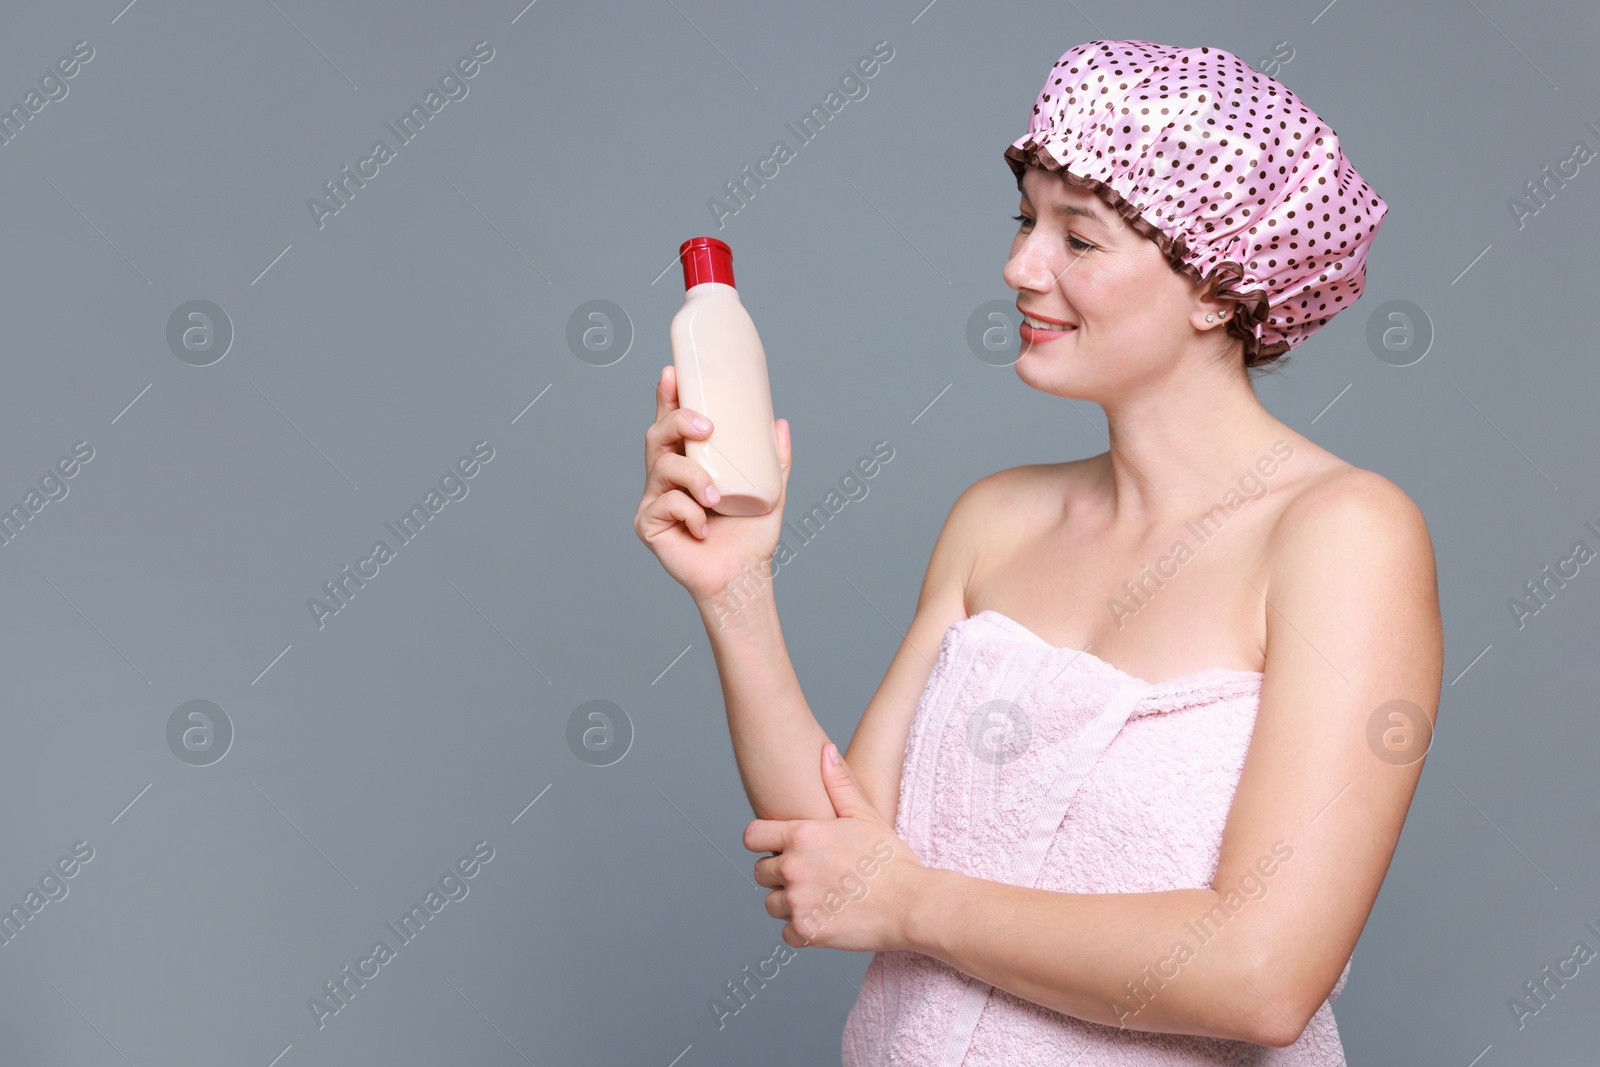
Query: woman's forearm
{"points": [[1109, 958], [777, 741]]}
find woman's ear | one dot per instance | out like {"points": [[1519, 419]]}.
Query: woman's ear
{"points": [[1212, 312]]}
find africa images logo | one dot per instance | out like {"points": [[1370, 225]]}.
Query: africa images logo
{"points": [[342, 590], [340, 990], [452, 85]]}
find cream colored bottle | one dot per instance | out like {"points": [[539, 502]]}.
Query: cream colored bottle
{"points": [[722, 373]]}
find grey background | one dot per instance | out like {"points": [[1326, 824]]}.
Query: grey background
{"points": [[370, 754]]}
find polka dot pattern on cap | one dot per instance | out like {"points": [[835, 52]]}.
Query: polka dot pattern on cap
{"points": [[1224, 168]]}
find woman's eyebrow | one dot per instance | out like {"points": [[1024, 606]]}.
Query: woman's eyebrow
{"points": [[1070, 210], [1084, 212]]}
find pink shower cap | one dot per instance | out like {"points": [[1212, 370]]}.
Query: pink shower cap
{"points": [[1223, 167]]}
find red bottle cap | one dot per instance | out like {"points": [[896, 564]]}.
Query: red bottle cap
{"points": [[705, 259]]}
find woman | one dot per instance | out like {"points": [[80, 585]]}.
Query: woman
{"points": [[1163, 850]]}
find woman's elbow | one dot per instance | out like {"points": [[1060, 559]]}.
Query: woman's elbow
{"points": [[1280, 1012], [1281, 1035], [1280, 1018]]}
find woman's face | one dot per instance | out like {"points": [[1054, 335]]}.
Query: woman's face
{"points": [[1075, 260]]}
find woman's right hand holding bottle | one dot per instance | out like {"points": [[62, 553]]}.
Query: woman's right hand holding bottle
{"points": [[704, 551]]}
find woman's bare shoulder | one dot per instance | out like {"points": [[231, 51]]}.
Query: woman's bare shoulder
{"points": [[1340, 508], [1016, 499]]}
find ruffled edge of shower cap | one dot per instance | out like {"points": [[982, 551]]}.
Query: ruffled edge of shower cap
{"points": [[1260, 324]]}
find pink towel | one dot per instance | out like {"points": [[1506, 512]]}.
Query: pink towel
{"points": [[1048, 767]]}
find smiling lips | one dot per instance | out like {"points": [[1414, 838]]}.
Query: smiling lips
{"points": [[1040, 329]]}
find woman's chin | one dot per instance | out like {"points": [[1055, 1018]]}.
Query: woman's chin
{"points": [[1038, 370]]}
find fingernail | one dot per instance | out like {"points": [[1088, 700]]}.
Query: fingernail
{"points": [[712, 496], [833, 752], [701, 424]]}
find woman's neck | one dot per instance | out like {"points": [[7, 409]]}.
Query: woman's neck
{"points": [[1179, 449]]}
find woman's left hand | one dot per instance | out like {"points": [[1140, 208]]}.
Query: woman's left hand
{"points": [[847, 883]]}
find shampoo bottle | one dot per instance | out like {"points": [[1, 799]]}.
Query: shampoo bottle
{"points": [[722, 373]]}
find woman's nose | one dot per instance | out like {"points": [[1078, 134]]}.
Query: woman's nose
{"points": [[1029, 266]]}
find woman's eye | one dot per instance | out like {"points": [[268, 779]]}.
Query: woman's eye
{"points": [[1075, 244]]}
